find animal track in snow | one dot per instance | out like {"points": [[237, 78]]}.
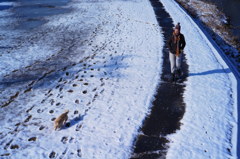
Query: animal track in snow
{"points": [[14, 147], [42, 127], [32, 139], [64, 139], [77, 101], [52, 154]]}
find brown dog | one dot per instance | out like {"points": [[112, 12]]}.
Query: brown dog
{"points": [[61, 120]]}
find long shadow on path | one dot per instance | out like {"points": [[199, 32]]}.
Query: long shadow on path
{"points": [[211, 72], [168, 106]]}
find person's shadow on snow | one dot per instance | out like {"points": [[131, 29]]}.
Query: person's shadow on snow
{"points": [[211, 72]]}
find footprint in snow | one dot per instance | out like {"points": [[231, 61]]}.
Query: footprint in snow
{"points": [[79, 153], [42, 127], [32, 139], [60, 89], [64, 139], [14, 147], [71, 140], [60, 80], [52, 101], [52, 154], [74, 85], [75, 112], [102, 91], [70, 91], [95, 96], [77, 101]]}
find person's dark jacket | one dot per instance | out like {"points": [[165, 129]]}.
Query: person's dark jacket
{"points": [[173, 46]]}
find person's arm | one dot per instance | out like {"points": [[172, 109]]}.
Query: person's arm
{"points": [[170, 43], [183, 42]]}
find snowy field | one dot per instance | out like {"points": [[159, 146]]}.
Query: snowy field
{"points": [[102, 61]]}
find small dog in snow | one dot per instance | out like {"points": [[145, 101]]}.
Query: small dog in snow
{"points": [[61, 120]]}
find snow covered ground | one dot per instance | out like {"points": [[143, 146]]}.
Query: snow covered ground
{"points": [[102, 61], [209, 127]]}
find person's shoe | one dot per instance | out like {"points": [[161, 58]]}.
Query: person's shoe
{"points": [[179, 73], [172, 77]]}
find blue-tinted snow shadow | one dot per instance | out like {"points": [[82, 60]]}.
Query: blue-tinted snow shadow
{"points": [[211, 72], [113, 66], [4, 7], [74, 121], [110, 69]]}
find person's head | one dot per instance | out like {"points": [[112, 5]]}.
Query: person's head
{"points": [[177, 29]]}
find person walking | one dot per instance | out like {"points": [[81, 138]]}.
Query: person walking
{"points": [[176, 44]]}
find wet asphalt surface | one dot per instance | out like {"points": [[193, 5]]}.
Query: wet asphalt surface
{"points": [[168, 107]]}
